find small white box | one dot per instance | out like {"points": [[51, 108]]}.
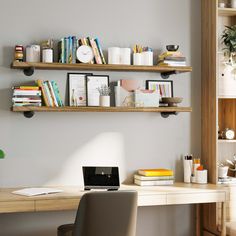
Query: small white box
{"points": [[146, 98]]}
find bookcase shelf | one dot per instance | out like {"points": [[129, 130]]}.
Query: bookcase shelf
{"points": [[164, 70], [226, 11], [165, 111]]}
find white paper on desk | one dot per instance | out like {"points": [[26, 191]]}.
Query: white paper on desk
{"points": [[36, 191]]}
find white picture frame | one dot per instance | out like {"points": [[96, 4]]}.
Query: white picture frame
{"points": [[93, 83], [77, 89]]}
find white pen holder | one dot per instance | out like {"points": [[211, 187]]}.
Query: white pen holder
{"points": [[187, 170], [201, 176], [143, 58], [147, 58], [137, 59]]}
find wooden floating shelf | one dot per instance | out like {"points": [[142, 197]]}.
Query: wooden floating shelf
{"points": [[226, 141], [96, 67], [29, 111], [101, 109], [227, 11]]}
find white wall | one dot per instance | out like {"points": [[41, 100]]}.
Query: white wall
{"points": [[50, 148]]}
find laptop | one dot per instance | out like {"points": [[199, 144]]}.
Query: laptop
{"points": [[96, 177]]}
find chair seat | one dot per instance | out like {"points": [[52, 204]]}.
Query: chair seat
{"points": [[65, 230]]}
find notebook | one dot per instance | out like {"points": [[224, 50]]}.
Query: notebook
{"points": [[36, 191]]}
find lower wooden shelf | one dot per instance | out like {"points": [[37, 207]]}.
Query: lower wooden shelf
{"points": [[164, 110]]}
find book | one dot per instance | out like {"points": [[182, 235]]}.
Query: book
{"points": [[32, 100], [153, 183], [48, 94], [61, 51], [30, 192], [19, 92], [74, 48], [100, 50], [26, 87], [96, 52], [57, 93], [24, 104], [155, 172], [52, 94], [45, 98], [148, 178]]}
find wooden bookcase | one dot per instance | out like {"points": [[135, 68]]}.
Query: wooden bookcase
{"points": [[218, 112]]}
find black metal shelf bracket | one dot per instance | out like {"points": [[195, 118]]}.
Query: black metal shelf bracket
{"points": [[28, 114], [166, 75], [29, 71], [167, 114]]}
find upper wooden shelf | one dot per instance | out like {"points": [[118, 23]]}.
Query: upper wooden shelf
{"points": [[226, 11], [96, 67], [29, 110]]}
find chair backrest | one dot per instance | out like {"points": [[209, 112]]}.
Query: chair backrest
{"points": [[107, 214]]}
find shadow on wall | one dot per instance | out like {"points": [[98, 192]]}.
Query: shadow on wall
{"points": [[7, 56], [106, 149], [5, 101]]}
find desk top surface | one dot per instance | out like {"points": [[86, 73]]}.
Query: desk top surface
{"points": [[76, 192]]}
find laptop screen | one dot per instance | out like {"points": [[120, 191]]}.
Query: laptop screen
{"points": [[96, 177]]}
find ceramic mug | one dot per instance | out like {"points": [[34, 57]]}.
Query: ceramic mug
{"points": [[223, 171]]}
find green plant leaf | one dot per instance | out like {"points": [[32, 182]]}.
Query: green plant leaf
{"points": [[2, 154]]}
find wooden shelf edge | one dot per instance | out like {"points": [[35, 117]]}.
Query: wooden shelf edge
{"points": [[226, 141], [226, 11], [101, 109], [96, 67]]}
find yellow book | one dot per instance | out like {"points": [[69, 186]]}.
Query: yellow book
{"points": [[155, 172]]}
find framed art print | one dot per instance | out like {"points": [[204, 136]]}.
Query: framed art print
{"points": [[93, 83], [164, 88], [77, 89]]}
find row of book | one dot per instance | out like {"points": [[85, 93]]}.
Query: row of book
{"points": [[50, 93], [68, 46], [172, 59], [45, 91], [154, 177], [27, 96]]}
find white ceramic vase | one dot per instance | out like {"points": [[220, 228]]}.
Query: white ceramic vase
{"points": [[233, 4], [104, 101]]}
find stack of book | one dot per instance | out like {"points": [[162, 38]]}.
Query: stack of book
{"points": [[154, 177], [172, 59], [26, 96], [67, 49], [50, 93]]}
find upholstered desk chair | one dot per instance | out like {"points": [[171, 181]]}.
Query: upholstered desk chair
{"points": [[104, 214]]}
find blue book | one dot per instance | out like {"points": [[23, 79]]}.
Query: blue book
{"points": [[74, 48], [100, 50], [57, 93]]}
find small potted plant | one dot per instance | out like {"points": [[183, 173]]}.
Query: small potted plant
{"points": [[229, 40], [104, 99]]}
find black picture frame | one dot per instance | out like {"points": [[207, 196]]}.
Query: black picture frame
{"points": [[93, 82], [80, 95], [168, 89]]}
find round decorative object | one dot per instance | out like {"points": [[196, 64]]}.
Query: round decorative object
{"points": [[84, 54], [229, 133], [172, 101], [172, 48]]}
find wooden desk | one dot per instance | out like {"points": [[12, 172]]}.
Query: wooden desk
{"points": [[178, 193]]}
